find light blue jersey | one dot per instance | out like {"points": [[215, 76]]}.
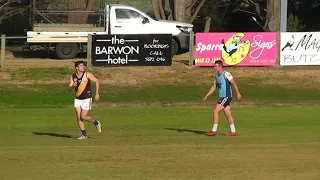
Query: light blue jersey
{"points": [[224, 85]]}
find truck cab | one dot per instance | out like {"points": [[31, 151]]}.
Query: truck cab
{"points": [[128, 20], [117, 19]]}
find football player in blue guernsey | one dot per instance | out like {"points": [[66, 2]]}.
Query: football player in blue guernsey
{"points": [[223, 81]]}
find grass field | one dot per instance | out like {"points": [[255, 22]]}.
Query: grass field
{"points": [[154, 123], [160, 143]]}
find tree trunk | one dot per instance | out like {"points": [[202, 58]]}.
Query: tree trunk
{"points": [[208, 24], [171, 9], [273, 15], [163, 16], [179, 6], [188, 9], [176, 5], [90, 7], [181, 11], [155, 6]]}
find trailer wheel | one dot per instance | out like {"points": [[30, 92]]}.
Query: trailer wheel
{"points": [[66, 50], [175, 47]]}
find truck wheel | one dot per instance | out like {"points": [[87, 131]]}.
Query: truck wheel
{"points": [[175, 47], [66, 50]]}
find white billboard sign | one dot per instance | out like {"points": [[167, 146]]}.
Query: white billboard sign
{"points": [[300, 48]]}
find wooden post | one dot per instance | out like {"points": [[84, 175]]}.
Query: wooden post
{"points": [[278, 48], [191, 47], [3, 50], [89, 49]]}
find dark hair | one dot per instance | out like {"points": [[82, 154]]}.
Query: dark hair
{"points": [[76, 64], [219, 62]]}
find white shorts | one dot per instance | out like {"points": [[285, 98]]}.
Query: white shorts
{"points": [[85, 104]]}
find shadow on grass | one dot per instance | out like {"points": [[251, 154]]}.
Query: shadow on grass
{"points": [[187, 130], [53, 134]]}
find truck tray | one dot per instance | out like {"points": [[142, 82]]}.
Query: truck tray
{"points": [[48, 27]]}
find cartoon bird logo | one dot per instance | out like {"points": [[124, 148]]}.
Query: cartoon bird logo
{"points": [[235, 50]]}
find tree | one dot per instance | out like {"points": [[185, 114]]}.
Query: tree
{"points": [[80, 5], [179, 10], [10, 8], [188, 10], [294, 23], [211, 13], [266, 13], [305, 11], [156, 9], [164, 9], [272, 22], [181, 6], [194, 16]]}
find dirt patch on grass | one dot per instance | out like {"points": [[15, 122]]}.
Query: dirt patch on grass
{"points": [[29, 82], [142, 75], [290, 77], [38, 63], [5, 76], [9, 55]]}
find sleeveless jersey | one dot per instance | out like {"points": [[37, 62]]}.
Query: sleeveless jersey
{"points": [[224, 85], [83, 87]]}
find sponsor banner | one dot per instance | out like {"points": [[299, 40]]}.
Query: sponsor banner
{"points": [[236, 49], [300, 48], [132, 50]]}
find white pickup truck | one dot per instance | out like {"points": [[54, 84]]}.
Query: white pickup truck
{"points": [[67, 40]]}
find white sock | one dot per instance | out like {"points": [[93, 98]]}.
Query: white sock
{"points": [[215, 127], [232, 128]]}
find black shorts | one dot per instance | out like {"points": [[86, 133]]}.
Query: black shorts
{"points": [[225, 101]]}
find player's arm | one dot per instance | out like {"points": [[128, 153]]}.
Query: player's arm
{"points": [[71, 84], [233, 82], [212, 89], [97, 82]]}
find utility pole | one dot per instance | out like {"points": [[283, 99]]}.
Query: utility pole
{"points": [[284, 14]]}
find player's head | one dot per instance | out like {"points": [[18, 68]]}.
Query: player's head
{"points": [[79, 66], [218, 65]]}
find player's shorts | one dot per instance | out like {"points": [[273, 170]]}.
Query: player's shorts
{"points": [[225, 101], [85, 104]]}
